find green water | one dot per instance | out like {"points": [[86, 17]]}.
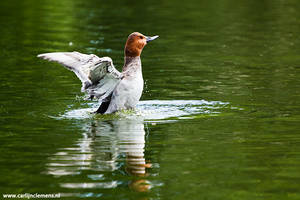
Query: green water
{"points": [[218, 119]]}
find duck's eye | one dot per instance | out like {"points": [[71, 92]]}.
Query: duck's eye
{"points": [[141, 37]]}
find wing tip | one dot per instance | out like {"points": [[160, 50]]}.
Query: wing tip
{"points": [[41, 55]]}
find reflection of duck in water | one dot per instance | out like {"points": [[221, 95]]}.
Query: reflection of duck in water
{"points": [[101, 151], [133, 137], [130, 139], [116, 91]]}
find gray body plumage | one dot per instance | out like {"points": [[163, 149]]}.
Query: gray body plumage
{"points": [[129, 91]]}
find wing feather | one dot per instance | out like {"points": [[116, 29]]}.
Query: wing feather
{"points": [[99, 77]]}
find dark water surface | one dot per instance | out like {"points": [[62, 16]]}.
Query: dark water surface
{"points": [[219, 117]]}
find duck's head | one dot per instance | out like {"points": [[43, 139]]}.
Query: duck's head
{"points": [[135, 44]]}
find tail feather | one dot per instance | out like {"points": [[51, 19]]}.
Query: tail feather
{"points": [[103, 107]]}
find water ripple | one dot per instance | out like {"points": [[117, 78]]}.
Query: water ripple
{"points": [[154, 110]]}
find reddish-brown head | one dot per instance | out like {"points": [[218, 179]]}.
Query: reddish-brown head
{"points": [[135, 44]]}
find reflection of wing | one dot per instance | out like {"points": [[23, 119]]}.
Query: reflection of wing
{"points": [[99, 77]]}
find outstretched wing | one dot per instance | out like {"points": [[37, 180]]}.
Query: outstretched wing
{"points": [[99, 77]]}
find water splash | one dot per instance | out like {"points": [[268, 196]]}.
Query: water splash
{"points": [[155, 110]]}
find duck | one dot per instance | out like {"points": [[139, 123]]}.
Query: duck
{"points": [[114, 90]]}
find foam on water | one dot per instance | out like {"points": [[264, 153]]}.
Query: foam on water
{"points": [[155, 110]]}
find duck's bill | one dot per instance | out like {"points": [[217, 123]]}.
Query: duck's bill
{"points": [[149, 39]]}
